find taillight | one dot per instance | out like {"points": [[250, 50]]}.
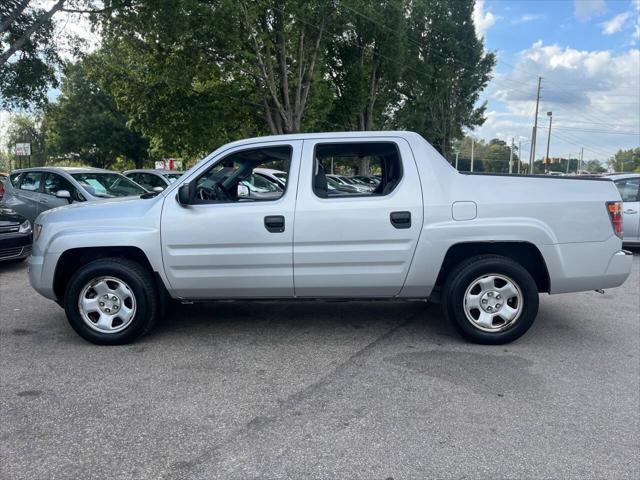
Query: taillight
{"points": [[615, 214]]}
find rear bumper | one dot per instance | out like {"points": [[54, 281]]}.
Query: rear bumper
{"points": [[577, 267]]}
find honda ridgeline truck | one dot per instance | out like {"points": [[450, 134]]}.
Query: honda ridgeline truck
{"points": [[484, 246]]}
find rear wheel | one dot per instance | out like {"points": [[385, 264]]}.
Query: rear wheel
{"points": [[490, 299], [111, 301]]}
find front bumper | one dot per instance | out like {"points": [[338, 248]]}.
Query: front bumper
{"points": [[15, 246], [41, 273]]}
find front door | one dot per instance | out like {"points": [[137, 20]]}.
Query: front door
{"points": [[356, 244], [231, 245]]}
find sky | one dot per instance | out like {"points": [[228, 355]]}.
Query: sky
{"points": [[587, 52]]}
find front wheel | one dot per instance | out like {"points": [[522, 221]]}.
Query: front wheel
{"points": [[490, 299], [111, 301]]}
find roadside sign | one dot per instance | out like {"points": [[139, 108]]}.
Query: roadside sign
{"points": [[169, 164], [23, 149]]}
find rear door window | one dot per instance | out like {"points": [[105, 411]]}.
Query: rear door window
{"points": [[337, 163], [31, 181]]}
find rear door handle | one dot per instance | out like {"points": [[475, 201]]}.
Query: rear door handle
{"points": [[274, 223], [400, 219]]}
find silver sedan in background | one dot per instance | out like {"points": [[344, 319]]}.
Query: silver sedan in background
{"points": [[31, 191]]}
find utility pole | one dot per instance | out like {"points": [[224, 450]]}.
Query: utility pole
{"points": [[472, 142], [547, 161], [580, 163], [457, 155], [511, 158], [568, 162], [532, 156], [519, 155]]}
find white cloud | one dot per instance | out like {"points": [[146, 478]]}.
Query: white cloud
{"points": [[586, 9], [528, 17], [615, 24], [591, 93], [481, 19]]}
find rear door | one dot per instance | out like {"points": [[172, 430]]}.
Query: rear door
{"points": [[27, 201], [356, 245], [630, 192]]}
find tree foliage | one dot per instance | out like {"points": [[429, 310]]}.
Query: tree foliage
{"points": [[626, 161], [26, 33], [85, 123], [23, 128]]}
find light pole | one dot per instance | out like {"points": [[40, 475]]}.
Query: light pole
{"points": [[547, 161]]}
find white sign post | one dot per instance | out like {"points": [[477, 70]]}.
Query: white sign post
{"points": [[23, 149]]}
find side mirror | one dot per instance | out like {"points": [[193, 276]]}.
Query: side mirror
{"points": [[243, 191], [64, 194], [184, 194], [158, 189]]}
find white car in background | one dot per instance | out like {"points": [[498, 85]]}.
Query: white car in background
{"points": [[153, 179], [276, 176], [629, 187]]}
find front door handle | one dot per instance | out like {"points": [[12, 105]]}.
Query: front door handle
{"points": [[400, 219], [274, 223], [630, 212]]}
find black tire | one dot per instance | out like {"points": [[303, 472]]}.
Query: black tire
{"points": [[462, 277], [141, 283]]}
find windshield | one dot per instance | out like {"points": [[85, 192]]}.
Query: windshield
{"points": [[172, 177], [108, 185]]}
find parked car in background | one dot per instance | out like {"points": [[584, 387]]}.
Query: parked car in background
{"points": [[359, 188], [276, 176], [261, 187], [335, 187], [31, 191], [153, 179], [3, 178], [15, 236], [373, 182], [629, 187], [427, 231]]}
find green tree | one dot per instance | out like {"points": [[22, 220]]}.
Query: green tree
{"points": [[28, 57], [445, 71], [626, 161], [86, 124], [365, 62], [25, 128]]}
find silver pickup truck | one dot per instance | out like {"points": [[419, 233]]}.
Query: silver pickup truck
{"points": [[483, 245]]}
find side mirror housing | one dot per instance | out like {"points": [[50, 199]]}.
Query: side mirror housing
{"points": [[158, 189], [64, 194], [185, 196], [243, 191]]}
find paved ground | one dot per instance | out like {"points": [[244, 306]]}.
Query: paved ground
{"points": [[323, 390]]}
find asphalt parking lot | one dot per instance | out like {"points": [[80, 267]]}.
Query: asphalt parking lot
{"points": [[322, 390]]}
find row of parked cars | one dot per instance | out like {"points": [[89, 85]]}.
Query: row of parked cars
{"points": [[26, 193]]}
